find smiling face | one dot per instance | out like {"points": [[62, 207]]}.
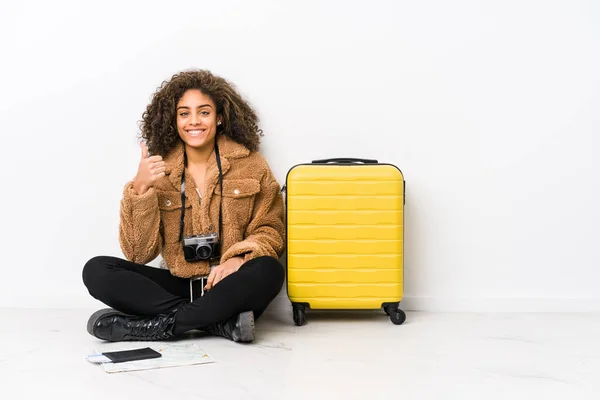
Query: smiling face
{"points": [[197, 120]]}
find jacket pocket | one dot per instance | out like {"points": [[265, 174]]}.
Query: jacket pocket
{"points": [[169, 203], [238, 200]]}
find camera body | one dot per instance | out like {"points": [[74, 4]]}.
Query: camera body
{"points": [[201, 247]]}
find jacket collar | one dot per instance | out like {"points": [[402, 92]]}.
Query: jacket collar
{"points": [[228, 149]]}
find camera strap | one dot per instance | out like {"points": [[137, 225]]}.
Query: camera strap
{"points": [[183, 193]]}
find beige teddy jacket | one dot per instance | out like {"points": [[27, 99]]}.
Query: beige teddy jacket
{"points": [[252, 211]]}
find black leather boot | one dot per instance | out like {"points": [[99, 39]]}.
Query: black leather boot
{"points": [[238, 329], [114, 326]]}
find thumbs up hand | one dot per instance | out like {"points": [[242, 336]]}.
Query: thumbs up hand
{"points": [[150, 170]]}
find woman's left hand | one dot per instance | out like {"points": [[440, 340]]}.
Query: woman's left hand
{"points": [[220, 272]]}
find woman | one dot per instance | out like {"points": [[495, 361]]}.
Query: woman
{"points": [[207, 201]]}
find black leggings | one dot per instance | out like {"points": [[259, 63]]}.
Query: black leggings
{"points": [[147, 291]]}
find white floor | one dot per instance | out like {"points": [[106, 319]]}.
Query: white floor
{"points": [[335, 356]]}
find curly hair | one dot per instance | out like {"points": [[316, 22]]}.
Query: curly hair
{"points": [[159, 121]]}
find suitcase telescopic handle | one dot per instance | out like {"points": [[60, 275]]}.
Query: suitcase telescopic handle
{"points": [[345, 161]]}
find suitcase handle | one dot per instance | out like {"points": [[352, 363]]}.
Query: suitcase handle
{"points": [[345, 161]]}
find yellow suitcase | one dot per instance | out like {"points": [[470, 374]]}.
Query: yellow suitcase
{"points": [[345, 236]]}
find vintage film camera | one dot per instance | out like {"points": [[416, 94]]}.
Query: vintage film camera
{"points": [[201, 247]]}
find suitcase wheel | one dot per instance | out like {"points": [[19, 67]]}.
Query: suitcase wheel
{"points": [[299, 314], [396, 315]]}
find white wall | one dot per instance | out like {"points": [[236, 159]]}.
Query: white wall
{"points": [[490, 108]]}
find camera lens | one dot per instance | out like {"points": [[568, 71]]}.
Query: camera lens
{"points": [[203, 252]]}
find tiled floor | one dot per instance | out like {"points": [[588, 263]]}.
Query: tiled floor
{"points": [[335, 356]]}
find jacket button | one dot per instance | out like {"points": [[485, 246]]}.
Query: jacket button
{"points": [[168, 203], [236, 191]]}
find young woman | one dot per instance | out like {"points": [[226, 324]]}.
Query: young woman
{"points": [[207, 201]]}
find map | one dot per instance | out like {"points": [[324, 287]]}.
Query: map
{"points": [[173, 355]]}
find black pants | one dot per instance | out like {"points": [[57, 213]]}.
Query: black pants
{"points": [[147, 291]]}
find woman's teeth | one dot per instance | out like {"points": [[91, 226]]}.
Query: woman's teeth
{"points": [[195, 133]]}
